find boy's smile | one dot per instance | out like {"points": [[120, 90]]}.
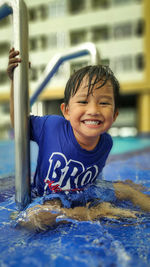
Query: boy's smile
{"points": [[91, 115]]}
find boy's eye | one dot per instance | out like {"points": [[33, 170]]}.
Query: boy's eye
{"points": [[104, 103], [82, 102]]}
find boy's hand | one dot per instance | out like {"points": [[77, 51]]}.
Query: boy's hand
{"points": [[13, 62]]}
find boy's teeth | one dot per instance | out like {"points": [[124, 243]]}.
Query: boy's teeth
{"points": [[92, 122]]}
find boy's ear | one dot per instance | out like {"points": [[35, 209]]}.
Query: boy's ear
{"points": [[116, 114], [65, 110]]}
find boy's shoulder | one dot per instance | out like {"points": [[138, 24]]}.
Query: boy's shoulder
{"points": [[107, 139], [107, 136], [47, 124], [47, 118]]}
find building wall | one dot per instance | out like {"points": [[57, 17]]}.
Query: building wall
{"points": [[55, 25], [116, 27]]}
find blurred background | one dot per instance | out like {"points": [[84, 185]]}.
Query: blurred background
{"points": [[120, 29]]}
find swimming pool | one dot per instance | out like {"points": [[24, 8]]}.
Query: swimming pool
{"points": [[102, 243]]}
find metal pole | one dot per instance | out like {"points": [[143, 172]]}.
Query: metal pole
{"points": [[21, 100]]}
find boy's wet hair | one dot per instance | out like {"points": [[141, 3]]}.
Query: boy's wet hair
{"points": [[96, 74]]}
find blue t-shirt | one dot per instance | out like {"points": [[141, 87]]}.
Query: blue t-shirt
{"points": [[63, 165]]}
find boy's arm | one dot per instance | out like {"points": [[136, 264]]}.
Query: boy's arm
{"points": [[12, 103], [126, 192], [12, 64]]}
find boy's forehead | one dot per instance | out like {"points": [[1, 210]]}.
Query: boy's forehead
{"points": [[98, 85]]}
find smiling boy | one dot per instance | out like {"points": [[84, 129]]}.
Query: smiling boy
{"points": [[73, 150]]}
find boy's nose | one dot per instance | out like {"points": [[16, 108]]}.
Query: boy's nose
{"points": [[93, 109]]}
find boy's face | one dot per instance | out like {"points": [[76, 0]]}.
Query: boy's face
{"points": [[90, 116]]}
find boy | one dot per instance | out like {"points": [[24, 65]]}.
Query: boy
{"points": [[73, 150]]}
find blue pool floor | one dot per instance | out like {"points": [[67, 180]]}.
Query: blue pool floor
{"points": [[108, 242]]}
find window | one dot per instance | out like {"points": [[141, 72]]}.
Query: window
{"points": [[127, 63], [39, 42], [42, 68], [5, 108], [100, 33], [43, 12], [61, 39], [4, 22], [122, 2], [4, 48], [76, 6], [34, 74], [78, 37], [43, 41], [57, 8], [105, 61], [140, 27], [33, 44], [100, 3], [38, 13], [74, 66], [140, 62], [122, 64], [3, 77], [52, 40], [61, 8], [32, 14], [123, 30], [52, 10]]}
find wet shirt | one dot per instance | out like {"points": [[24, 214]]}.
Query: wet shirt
{"points": [[62, 164]]}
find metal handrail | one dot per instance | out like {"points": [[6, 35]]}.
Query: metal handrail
{"points": [[21, 99], [58, 59]]}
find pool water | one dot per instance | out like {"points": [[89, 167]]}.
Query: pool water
{"points": [[108, 242]]}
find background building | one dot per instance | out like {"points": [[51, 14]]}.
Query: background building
{"points": [[121, 31]]}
